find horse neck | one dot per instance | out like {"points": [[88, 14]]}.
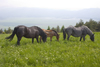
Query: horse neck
{"points": [[89, 32], [55, 33], [41, 32], [57, 36]]}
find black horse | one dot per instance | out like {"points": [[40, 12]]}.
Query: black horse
{"points": [[28, 32]]}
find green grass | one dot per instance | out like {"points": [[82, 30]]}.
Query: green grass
{"points": [[72, 53]]}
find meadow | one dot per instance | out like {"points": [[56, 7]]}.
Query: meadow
{"points": [[72, 53]]}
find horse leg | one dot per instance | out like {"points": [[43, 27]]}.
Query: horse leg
{"points": [[83, 38], [37, 39], [50, 38], [32, 40], [68, 37], [40, 38], [18, 40], [57, 38], [80, 38]]}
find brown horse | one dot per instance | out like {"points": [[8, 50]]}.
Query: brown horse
{"points": [[51, 33]]}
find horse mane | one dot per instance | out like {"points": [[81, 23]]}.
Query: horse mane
{"points": [[41, 32], [55, 32], [87, 29]]}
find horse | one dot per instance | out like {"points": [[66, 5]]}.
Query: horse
{"points": [[51, 33], [78, 32], [27, 32]]}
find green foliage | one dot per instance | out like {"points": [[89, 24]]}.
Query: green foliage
{"points": [[72, 53], [7, 31], [58, 29], [1, 31], [53, 28], [93, 25], [98, 26], [80, 23], [48, 28], [62, 28]]}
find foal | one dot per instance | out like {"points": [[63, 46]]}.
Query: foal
{"points": [[51, 33]]}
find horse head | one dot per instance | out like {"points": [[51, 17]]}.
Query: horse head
{"points": [[44, 38], [57, 37], [92, 37], [56, 34]]}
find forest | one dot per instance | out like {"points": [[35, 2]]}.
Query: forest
{"points": [[91, 24]]}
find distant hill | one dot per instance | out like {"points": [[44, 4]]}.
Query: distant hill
{"points": [[11, 17], [93, 13]]}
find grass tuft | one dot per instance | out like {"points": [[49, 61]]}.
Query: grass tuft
{"points": [[62, 53]]}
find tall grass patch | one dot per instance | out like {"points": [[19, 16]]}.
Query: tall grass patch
{"points": [[62, 53]]}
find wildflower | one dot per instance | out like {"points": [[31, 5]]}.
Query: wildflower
{"points": [[46, 58], [36, 60], [26, 58], [82, 61]]}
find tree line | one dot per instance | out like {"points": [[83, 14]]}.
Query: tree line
{"points": [[58, 29], [6, 31], [93, 25]]}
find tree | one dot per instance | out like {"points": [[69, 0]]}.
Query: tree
{"points": [[98, 26], [52, 28], [92, 24], [1, 31], [5, 31], [48, 28], [62, 28], [80, 23], [9, 30], [58, 29]]}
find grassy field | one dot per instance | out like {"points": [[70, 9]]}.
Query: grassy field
{"points": [[72, 53]]}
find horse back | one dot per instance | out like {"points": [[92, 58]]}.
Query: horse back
{"points": [[32, 32], [49, 33], [21, 30], [73, 31]]}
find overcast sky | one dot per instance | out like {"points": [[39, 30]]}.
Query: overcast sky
{"points": [[52, 4], [46, 12]]}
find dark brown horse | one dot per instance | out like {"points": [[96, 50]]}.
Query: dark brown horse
{"points": [[28, 32], [51, 33]]}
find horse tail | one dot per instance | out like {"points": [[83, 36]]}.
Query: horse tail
{"points": [[64, 34], [12, 35]]}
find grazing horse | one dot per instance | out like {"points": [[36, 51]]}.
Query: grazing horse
{"points": [[28, 32], [51, 33], [78, 32]]}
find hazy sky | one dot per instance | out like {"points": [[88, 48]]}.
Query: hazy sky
{"points": [[52, 4], [45, 13]]}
